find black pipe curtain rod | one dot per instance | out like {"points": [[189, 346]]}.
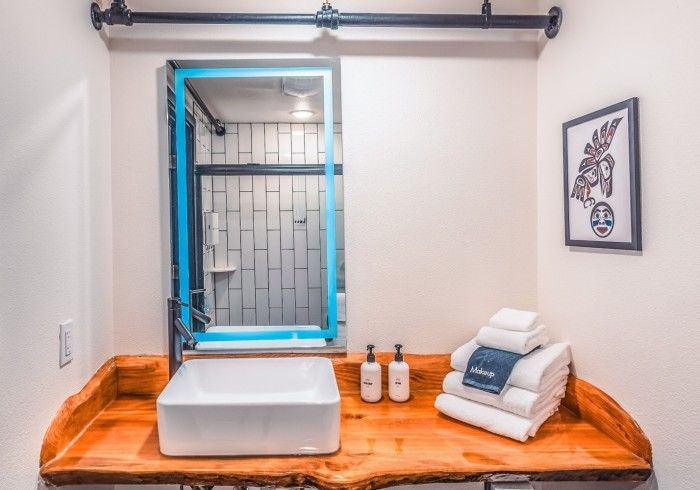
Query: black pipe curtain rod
{"points": [[328, 17]]}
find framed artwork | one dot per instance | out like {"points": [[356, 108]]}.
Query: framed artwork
{"points": [[602, 200]]}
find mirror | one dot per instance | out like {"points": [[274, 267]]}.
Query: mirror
{"points": [[257, 203]]}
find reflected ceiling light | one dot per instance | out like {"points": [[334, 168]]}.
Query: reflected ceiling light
{"points": [[302, 113]]}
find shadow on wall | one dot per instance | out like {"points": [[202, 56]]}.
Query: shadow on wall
{"points": [[64, 158], [326, 45], [606, 251]]}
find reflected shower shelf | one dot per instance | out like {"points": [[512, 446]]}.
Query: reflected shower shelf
{"points": [[108, 434], [219, 270]]}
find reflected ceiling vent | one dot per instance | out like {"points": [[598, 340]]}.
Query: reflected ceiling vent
{"points": [[302, 86]]}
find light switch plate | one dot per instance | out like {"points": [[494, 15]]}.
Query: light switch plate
{"points": [[66, 342]]}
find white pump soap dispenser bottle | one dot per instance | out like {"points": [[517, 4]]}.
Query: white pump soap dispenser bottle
{"points": [[399, 389], [370, 378]]}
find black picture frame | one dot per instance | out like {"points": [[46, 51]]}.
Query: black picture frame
{"points": [[635, 204]]}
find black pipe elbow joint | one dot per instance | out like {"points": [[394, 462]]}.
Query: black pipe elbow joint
{"points": [[117, 13], [219, 128]]}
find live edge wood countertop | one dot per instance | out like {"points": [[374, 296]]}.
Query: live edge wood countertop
{"points": [[107, 433]]}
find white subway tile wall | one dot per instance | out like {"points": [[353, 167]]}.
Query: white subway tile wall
{"points": [[214, 194], [272, 227]]}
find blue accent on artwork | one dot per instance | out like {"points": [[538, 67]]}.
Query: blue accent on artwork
{"points": [[182, 212]]}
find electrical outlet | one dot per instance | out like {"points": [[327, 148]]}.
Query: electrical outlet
{"points": [[65, 342]]}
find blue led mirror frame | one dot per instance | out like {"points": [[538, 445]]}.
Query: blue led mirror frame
{"points": [[182, 74]]}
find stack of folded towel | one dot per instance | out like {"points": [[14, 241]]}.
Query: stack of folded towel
{"points": [[508, 380]]}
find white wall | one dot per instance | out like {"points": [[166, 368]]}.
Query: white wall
{"points": [[439, 175], [427, 114], [632, 318], [55, 220]]}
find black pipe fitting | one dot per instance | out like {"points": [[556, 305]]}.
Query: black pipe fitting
{"points": [[487, 13], [328, 17], [219, 128], [96, 16], [117, 13], [556, 17]]}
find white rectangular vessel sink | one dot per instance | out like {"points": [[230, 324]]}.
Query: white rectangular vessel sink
{"points": [[247, 407]]}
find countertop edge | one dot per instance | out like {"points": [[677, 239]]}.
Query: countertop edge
{"points": [[73, 477]]}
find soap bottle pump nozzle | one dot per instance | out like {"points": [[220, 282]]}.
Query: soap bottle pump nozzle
{"points": [[370, 354], [399, 355]]}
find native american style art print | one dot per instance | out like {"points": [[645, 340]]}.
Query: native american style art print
{"points": [[602, 201]]}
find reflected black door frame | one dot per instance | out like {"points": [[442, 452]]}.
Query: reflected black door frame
{"points": [[194, 205]]}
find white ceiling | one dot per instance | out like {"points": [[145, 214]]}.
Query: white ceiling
{"points": [[260, 99], [254, 100], [464, 6], [311, 6]]}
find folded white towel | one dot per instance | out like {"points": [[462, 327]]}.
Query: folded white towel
{"points": [[512, 399], [510, 319], [532, 372], [492, 419], [508, 340]]}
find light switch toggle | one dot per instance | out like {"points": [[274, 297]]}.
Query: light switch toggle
{"points": [[65, 342]]}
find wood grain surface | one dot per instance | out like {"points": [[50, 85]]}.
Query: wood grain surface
{"points": [[382, 444], [79, 410], [598, 408]]}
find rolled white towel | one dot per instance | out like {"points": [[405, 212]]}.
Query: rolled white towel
{"points": [[512, 399], [492, 419], [508, 340], [532, 372], [511, 319]]}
